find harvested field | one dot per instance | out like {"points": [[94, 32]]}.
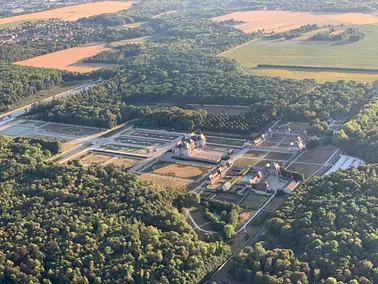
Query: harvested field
{"points": [[318, 155], [179, 170], [164, 182], [306, 169], [254, 201], [72, 13], [69, 59], [280, 21]]}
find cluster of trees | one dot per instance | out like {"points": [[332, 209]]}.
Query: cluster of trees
{"points": [[92, 224], [359, 136], [232, 124], [173, 118], [18, 82], [100, 115], [293, 33], [351, 34], [116, 56], [327, 230], [224, 216], [19, 155], [333, 99]]}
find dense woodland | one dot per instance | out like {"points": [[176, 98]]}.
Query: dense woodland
{"points": [[359, 136], [19, 155], [325, 232], [18, 82], [96, 225]]}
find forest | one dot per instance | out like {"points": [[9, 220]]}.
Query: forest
{"points": [[359, 136], [71, 224], [18, 82], [20, 155], [317, 236]]}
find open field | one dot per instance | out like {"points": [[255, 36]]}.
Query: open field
{"points": [[224, 141], [306, 169], [280, 21], [228, 197], [71, 130], [254, 201], [295, 52], [126, 149], [96, 159], [164, 182], [124, 162], [69, 59], [72, 13], [245, 162], [318, 155], [14, 24], [255, 154], [139, 141], [178, 170], [279, 156]]}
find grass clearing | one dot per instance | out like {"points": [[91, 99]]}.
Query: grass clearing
{"points": [[178, 170], [318, 155], [228, 197], [124, 162], [255, 154], [96, 159], [306, 169], [164, 182], [254, 201], [245, 162], [279, 156], [224, 141]]}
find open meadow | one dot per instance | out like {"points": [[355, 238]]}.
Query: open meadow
{"points": [[69, 59], [71, 13], [289, 58]]}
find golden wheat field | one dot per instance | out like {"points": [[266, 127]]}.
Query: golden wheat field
{"points": [[69, 59], [72, 13], [280, 21]]}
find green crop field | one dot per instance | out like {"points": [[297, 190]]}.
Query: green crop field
{"points": [[301, 52]]}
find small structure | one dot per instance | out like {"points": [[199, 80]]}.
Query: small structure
{"points": [[255, 178], [226, 186], [290, 187], [273, 168], [220, 172]]}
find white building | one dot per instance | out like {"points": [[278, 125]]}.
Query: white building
{"points": [[185, 148]]}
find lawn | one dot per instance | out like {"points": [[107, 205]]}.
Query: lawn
{"points": [[246, 162], [306, 169], [279, 156], [318, 155], [254, 201], [164, 182], [296, 52], [178, 170]]}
